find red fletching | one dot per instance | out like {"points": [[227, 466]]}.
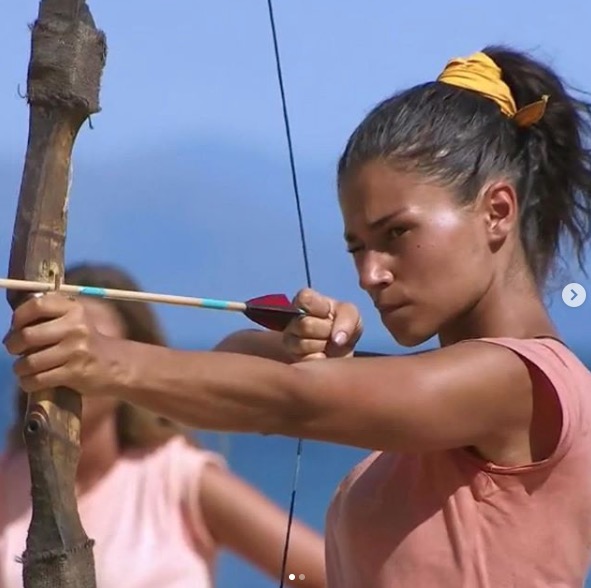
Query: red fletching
{"points": [[272, 311], [270, 300]]}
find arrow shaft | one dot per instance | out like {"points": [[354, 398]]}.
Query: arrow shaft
{"points": [[132, 295]]}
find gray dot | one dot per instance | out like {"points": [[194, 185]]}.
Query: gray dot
{"points": [[302, 577]]}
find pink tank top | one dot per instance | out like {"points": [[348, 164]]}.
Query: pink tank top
{"points": [[144, 516], [449, 520]]}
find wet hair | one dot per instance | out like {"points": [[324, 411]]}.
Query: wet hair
{"points": [[461, 139], [136, 428]]}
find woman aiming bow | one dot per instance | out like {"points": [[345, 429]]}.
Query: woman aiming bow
{"points": [[455, 196]]}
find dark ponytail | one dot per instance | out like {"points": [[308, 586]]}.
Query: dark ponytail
{"points": [[462, 139]]}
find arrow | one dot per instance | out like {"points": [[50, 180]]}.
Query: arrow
{"points": [[272, 311], [574, 294]]}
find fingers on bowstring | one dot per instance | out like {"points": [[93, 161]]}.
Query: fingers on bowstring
{"points": [[317, 320], [299, 347], [309, 327], [346, 328], [313, 303]]}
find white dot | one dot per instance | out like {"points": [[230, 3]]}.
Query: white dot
{"points": [[302, 577], [291, 576]]}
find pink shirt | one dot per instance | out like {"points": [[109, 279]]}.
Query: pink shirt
{"points": [[144, 516], [449, 520]]}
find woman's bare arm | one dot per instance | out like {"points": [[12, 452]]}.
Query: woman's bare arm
{"points": [[244, 521], [471, 393], [457, 396]]}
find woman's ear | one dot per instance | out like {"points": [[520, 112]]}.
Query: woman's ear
{"points": [[498, 204]]}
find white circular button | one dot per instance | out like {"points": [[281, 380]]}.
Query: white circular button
{"points": [[574, 295]]}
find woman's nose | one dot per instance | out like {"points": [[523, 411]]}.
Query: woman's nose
{"points": [[374, 271]]}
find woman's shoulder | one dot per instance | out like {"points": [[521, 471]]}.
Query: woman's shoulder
{"points": [[176, 445], [553, 366], [174, 459], [551, 356]]}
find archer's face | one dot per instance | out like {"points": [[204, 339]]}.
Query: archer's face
{"points": [[423, 259]]}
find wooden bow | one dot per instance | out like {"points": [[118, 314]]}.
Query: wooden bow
{"points": [[68, 54]]}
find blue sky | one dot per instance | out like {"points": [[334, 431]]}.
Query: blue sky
{"points": [[185, 179]]}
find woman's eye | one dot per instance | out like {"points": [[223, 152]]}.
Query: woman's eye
{"points": [[354, 249], [396, 232]]}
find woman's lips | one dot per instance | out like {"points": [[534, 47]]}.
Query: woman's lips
{"points": [[388, 308]]}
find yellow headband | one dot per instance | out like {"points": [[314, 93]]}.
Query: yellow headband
{"points": [[481, 74]]}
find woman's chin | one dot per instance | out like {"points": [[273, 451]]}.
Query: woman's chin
{"points": [[409, 339], [407, 333]]}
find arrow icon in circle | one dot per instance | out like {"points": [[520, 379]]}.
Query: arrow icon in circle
{"points": [[574, 295]]}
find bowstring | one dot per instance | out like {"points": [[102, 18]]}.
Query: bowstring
{"points": [[296, 191]]}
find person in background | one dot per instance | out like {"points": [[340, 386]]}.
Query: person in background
{"points": [[159, 507]]}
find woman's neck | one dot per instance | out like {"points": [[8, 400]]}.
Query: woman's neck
{"points": [[513, 309], [100, 452]]}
